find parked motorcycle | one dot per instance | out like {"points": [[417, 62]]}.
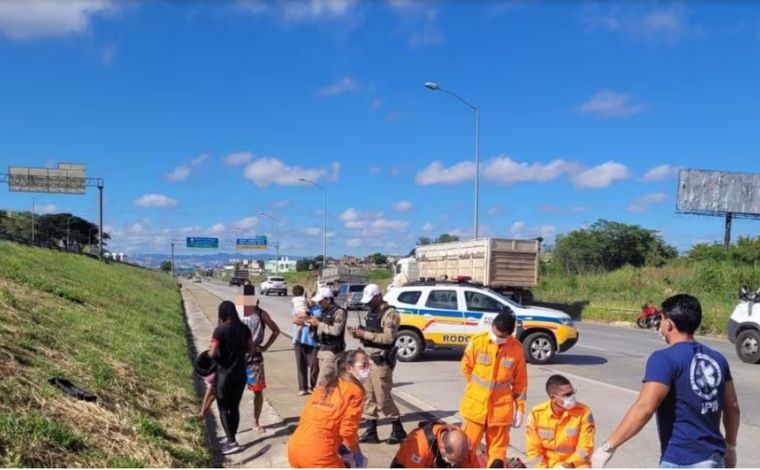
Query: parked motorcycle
{"points": [[649, 317]]}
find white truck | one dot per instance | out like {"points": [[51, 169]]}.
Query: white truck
{"points": [[508, 266], [744, 326]]}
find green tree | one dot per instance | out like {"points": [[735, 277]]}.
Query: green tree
{"points": [[424, 241], [446, 238], [305, 264], [378, 259], [607, 245], [166, 266]]}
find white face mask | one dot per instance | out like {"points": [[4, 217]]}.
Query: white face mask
{"points": [[497, 339], [363, 375], [569, 402]]}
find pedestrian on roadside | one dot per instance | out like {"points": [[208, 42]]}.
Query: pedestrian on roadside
{"points": [[329, 424], [331, 331], [210, 381], [497, 382], [304, 343], [560, 432], [257, 320], [378, 338], [435, 444], [229, 344], [689, 386]]}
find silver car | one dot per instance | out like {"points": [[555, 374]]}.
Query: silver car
{"points": [[349, 296]]}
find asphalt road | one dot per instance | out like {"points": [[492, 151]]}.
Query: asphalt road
{"points": [[606, 366]]}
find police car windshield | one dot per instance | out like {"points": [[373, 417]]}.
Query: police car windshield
{"points": [[505, 299]]}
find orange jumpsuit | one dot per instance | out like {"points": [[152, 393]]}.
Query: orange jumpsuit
{"points": [[497, 382], [326, 423], [418, 452], [552, 440]]}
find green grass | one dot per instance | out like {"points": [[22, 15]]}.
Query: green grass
{"points": [[112, 329], [602, 296]]}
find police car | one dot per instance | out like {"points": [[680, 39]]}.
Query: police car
{"points": [[444, 315]]}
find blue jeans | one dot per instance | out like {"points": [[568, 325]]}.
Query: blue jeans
{"points": [[716, 461]]}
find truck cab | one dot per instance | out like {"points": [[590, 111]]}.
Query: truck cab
{"points": [[744, 326]]}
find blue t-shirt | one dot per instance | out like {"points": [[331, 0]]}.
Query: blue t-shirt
{"points": [[688, 419]]}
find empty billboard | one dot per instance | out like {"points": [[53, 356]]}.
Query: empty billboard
{"points": [[67, 179], [719, 192]]}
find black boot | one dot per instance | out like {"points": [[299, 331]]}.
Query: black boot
{"points": [[498, 463], [397, 434], [370, 435]]}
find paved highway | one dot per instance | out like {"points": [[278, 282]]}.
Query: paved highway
{"points": [[606, 366]]}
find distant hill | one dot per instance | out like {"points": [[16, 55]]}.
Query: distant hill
{"points": [[153, 260]]}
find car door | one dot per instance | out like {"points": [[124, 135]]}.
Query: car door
{"points": [[480, 310], [444, 323]]}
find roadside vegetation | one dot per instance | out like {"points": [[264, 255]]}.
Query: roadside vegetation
{"points": [[115, 330], [609, 270]]}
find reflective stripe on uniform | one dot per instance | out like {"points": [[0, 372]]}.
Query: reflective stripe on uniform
{"points": [[582, 454], [571, 432], [489, 384], [484, 359], [506, 362], [546, 434]]}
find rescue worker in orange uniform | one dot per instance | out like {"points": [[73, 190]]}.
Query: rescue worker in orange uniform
{"points": [[560, 432], [330, 420], [435, 444], [497, 382]]}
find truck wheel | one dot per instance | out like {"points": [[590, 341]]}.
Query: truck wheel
{"points": [[748, 346], [409, 346], [539, 348]]}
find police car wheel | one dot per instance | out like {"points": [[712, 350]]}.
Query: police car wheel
{"points": [[748, 346], [539, 348], [409, 346]]}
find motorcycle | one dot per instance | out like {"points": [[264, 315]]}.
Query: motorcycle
{"points": [[649, 317]]}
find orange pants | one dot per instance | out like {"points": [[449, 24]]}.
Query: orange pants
{"points": [[304, 457], [497, 439]]}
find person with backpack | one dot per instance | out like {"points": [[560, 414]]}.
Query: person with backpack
{"points": [[435, 444], [257, 320]]}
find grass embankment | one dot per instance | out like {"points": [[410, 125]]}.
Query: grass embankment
{"points": [[113, 329], [596, 296]]}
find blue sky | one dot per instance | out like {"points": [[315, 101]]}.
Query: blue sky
{"points": [[199, 116]]}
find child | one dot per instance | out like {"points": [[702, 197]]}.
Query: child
{"points": [[210, 396]]}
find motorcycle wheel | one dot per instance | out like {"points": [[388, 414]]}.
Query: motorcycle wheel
{"points": [[643, 323]]}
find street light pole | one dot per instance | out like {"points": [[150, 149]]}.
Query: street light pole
{"points": [[68, 219], [172, 260], [324, 225], [476, 212], [33, 201], [277, 246]]}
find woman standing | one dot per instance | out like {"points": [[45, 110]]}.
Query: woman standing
{"points": [[229, 343], [330, 420]]}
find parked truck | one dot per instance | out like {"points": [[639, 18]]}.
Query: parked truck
{"points": [[334, 276], [507, 266]]}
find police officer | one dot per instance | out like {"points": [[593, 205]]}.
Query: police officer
{"points": [[331, 330], [378, 338]]}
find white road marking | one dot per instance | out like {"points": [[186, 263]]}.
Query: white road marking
{"points": [[586, 379]]}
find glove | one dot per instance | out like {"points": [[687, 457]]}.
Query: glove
{"points": [[602, 456], [730, 456], [518, 418]]}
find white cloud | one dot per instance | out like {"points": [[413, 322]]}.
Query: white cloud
{"points": [[218, 229], [178, 174], [137, 228], [266, 171], [660, 173], [503, 169], [382, 225], [495, 210], [45, 209], [32, 19], [238, 158], [436, 173], [281, 204], [517, 229], [345, 85], [354, 242], [428, 227], [429, 34], [303, 10], [641, 20], [312, 231], [607, 104], [199, 159], [335, 172], [403, 206], [247, 223], [156, 200], [643, 203], [350, 215], [600, 176], [377, 103]]}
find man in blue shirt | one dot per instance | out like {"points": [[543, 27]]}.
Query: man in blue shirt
{"points": [[690, 387]]}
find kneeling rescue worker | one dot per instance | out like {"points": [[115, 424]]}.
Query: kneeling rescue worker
{"points": [[377, 338], [435, 444], [560, 432], [497, 382]]}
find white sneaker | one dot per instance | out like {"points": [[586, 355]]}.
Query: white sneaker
{"points": [[230, 448]]}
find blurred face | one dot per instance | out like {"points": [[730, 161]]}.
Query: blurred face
{"points": [[360, 368], [375, 302], [248, 302], [564, 396], [498, 336], [324, 304]]}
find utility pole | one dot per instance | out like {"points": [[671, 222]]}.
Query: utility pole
{"points": [[173, 260], [33, 238]]}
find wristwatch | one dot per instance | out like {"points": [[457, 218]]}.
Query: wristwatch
{"points": [[606, 447]]}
